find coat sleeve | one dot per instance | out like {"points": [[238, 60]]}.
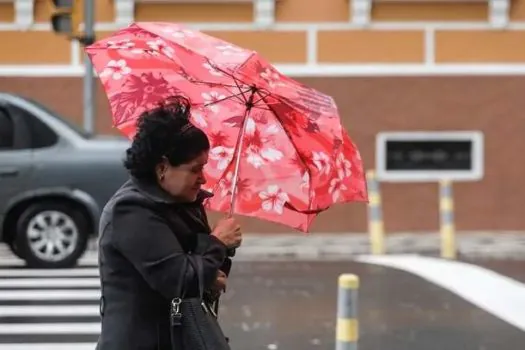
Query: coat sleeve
{"points": [[202, 242], [145, 239]]}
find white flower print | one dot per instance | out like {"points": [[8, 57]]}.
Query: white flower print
{"points": [[250, 126], [273, 129], [121, 44], [322, 162], [344, 165], [212, 70], [149, 52], [223, 156], [229, 50], [257, 144], [210, 99], [257, 156], [199, 119], [179, 33], [271, 154], [161, 46], [305, 181], [225, 184], [254, 158], [271, 77], [273, 199], [337, 186], [116, 69]]}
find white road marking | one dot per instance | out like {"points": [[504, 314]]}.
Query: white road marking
{"points": [[89, 272], [39, 283], [53, 328], [497, 294], [49, 310], [49, 346], [54, 294]]}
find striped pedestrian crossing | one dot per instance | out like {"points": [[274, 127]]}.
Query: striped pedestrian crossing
{"points": [[49, 309]]}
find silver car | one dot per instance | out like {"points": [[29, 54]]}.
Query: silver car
{"points": [[54, 181]]}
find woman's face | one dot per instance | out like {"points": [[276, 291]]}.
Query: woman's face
{"points": [[184, 181]]}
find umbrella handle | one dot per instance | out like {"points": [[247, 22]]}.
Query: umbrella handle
{"points": [[249, 105]]}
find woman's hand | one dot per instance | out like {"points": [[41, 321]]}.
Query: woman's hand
{"points": [[218, 287], [214, 292], [228, 231], [220, 282]]}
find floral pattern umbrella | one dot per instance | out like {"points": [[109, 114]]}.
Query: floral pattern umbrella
{"points": [[278, 149]]}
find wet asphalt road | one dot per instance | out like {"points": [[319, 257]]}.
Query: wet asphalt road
{"points": [[292, 306]]}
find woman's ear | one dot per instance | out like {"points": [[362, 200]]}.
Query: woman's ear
{"points": [[161, 168]]}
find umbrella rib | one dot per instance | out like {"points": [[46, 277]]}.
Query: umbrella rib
{"points": [[304, 107], [235, 80], [239, 94], [261, 98], [224, 99], [195, 81]]}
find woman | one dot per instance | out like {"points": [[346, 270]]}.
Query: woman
{"points": [[149, 227]]}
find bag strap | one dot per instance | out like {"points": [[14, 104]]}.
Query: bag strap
{"points": [[180, 292], [195, 262], [198, 267]]}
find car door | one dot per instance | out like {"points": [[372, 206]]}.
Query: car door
{"points": [[15, 155]]}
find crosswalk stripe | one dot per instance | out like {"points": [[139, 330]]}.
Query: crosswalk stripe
{"points": [[38, 283], [53, 294], [49, 309], [45, 310], [49, 346], [46, 328], [77, 272], [13, 262]]}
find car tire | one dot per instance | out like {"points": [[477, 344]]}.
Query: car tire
{"points": [[14, 249], [35, 226]]}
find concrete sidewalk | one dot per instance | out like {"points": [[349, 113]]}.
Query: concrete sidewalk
{"points": [[479, 244]]}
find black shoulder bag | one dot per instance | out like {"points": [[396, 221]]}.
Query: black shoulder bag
{"points": [[193, 325]]}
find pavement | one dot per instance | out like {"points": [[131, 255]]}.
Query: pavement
{"points": [[283, 289], [269, 305], [342, 246]]}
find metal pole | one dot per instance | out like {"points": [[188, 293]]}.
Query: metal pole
{"points": [[347, 328], [375, 215], [446, 213], [89, 84]]}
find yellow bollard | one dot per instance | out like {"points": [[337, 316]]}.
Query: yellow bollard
{"points": [[375, 215], [347, 329], [446, 214]]}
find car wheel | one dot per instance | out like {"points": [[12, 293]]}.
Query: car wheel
{"points": [[51, 235]]}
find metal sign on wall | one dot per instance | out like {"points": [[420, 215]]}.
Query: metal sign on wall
{"points": [[427, 156]]}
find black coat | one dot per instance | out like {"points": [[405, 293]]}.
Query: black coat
{"points": [[144, 239]]}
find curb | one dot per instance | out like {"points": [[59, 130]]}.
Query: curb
{"points": [[347, 246]]}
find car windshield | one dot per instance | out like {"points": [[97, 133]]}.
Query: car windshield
{"points": [[66, 121]]}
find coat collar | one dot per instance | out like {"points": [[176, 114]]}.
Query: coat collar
{"points": [[157, 194]]}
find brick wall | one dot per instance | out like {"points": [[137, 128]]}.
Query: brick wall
{"points": [[313, 34]]}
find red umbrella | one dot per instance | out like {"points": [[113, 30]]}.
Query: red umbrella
{"points": [[278, 149]]}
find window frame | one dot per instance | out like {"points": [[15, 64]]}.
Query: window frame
{"points": [[475, 173]]}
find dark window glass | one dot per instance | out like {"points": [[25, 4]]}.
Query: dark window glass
{"points": [[7, 131], [41, 135], [428, 155]]}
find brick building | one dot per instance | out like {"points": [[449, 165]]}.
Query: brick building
{"points": [[390, 65]]}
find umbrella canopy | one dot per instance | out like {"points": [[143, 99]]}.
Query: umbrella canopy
{"points": [[278, 149]]}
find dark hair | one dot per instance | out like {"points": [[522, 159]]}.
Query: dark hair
{"points": [[165, 131]]}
